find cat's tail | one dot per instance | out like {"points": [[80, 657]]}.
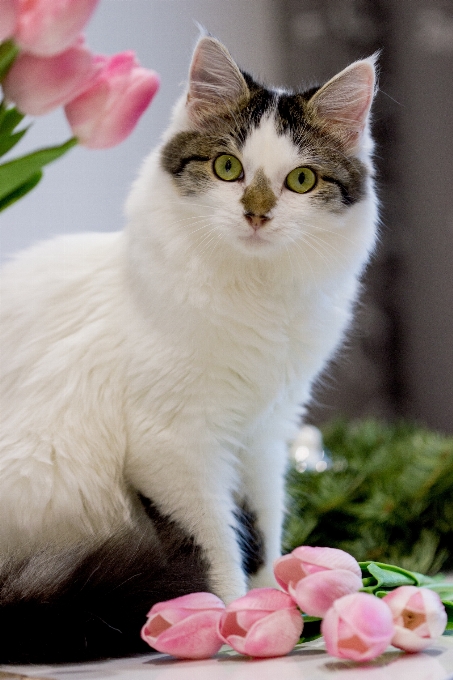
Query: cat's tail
{"points": [[87, 604]]}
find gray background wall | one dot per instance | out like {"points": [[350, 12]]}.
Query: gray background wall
{"points": [[399, 360]]}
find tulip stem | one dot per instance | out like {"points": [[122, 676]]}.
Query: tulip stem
{"points": [[19, 176], [8, 53]]}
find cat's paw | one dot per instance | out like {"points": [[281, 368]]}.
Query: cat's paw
{"points": [[229, 589]]}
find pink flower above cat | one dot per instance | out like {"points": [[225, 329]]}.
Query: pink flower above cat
{"points": [[315, 577], [418, 615], [358, 627], [109, 109], [185, 627], [263, 623], [8, 18], [37, 85], [48, 27]]}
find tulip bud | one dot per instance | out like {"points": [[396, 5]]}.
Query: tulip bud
{"points": [[263, 623], [316, 593], [8, 18], [418, 615], [48, 27], [357, 627], [108, 111], [37, 85], [307, 560], [185, 627]]}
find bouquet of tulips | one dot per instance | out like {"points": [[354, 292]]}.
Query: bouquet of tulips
{"points": [[44, 64], [359, 609]]}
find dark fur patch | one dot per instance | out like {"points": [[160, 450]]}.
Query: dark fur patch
{"points": [[98, 609], [250, 538]]}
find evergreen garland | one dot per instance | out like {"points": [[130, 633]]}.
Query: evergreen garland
{"points": [[387, 496]]}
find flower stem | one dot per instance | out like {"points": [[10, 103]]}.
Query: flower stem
{"points": [[8, 53]]}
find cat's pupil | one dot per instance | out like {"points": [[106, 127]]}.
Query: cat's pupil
{"points": [[301, 177], [228, 165]]}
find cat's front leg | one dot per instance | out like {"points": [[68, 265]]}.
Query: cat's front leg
{"points": [[265, 463], [197, 494]]}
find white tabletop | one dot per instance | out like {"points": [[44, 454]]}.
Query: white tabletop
{"points": [[306, 662]]}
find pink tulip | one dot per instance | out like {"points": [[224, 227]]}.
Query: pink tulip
{"points": [[307, 560], [316, 593], [419, 617], [8, 18], [357, 627], [185, 627], [39, 84], [108, 111], [263, 623], [48, 27]]}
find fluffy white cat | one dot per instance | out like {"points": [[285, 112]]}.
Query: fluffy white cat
{"points": [[162, 370]]}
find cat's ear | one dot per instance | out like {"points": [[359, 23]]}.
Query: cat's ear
{"points": [[343, 103], [215, 82]]}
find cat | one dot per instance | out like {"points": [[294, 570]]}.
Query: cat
{"points": [[152, 378]]}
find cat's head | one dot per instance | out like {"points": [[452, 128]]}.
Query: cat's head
{"points": [[265, 169]]}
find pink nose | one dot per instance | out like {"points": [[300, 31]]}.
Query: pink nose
{"points": [[256, 221]]}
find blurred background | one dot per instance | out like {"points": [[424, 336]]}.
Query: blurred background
{"points": [[398, 361]]}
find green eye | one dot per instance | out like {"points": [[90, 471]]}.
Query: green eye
{"points": [[301, 180], [228, 168]]}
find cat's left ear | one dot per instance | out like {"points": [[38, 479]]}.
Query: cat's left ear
{"points": [[215, 82], [343, 103]]}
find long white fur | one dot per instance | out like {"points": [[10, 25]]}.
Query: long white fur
{"points": [[172, 359]]}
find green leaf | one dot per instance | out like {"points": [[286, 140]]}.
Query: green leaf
{"points": [[443, 589], [449, 609], [8, 53], [17, 172], [7, 143], [312, 628], [9, 119], [20, 191], [390, 576]]}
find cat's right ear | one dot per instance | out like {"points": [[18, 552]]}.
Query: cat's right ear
{"points": [[343, 104], [215, 82]]}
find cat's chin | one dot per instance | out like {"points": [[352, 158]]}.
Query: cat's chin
{"points": [[255, 243]]}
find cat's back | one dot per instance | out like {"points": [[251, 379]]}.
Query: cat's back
{"points": [[50, 274], [60, 327], [59, 288]]}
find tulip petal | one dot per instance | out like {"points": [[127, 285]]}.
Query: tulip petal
{"points": [[409, 640], [106, 113], [366, 614], [358, 627], [37, 85], [190, 601], [195, 637], [8, 18], [419, 617], [154, 627], [288, 571], [274, 635], [263, 599], [48, 27], [316, 558], [316, 593], [436, 616]]}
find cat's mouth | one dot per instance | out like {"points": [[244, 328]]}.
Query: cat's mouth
{"points": [[257, 235], [255, 238]]}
